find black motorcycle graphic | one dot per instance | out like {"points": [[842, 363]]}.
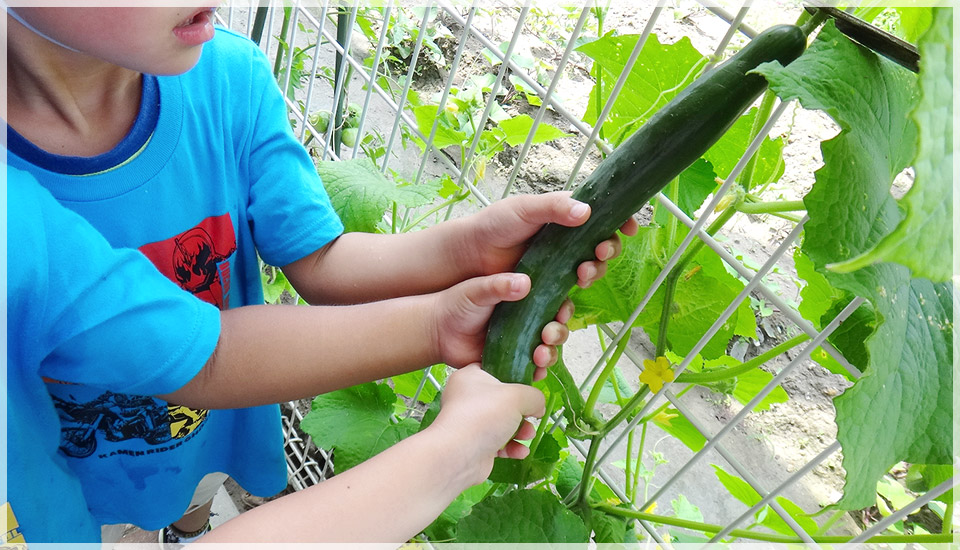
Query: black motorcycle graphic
{"points": [[117, 417]]}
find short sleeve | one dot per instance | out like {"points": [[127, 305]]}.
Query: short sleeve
{"points": [[92, 314], [291, 211]]}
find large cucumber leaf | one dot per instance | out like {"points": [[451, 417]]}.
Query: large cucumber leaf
{"points": [[525, 516], [924, 239], [360, 194], [356, 423], [909, 356]]}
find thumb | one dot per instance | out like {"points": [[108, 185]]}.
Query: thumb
{"points": [[555, 207], [490, 290]]}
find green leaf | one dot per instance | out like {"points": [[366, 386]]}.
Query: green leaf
{"points": [[910, 373], [609, 394], [851, 209], [818, 298], [924, 477], [725, 154], [525, 516], [273, 290], [923, 241], [684, 509], [700, 297], [661, 71], [444, 528], [894, 492], [694, 186], [749, 385], [742, 491], [677, 425], [914, 21], [538, 465], [407, 384], [356, 423], [518, 128], [361, 194], [611, 529], [445, 135]]}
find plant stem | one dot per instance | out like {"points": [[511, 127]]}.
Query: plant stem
{"points": [[771, 207], [595, 440], [607, 369], [716, 376], [809, 23], [636, 476], [283, 46], [541, 428], [767, 537], [586, 480], [829, 523], [763, 113], [947, 526], [343, 34], [449, 202], [628, 468]]}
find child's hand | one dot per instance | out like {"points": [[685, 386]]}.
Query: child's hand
{"points": [[500, 233], [486, 419], [461, 314]]}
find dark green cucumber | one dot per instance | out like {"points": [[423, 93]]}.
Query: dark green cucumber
{"points": [[676, 136]]}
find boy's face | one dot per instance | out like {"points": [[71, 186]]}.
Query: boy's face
{"points": [[154, 40]]}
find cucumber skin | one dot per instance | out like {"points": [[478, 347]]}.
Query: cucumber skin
{"points": [[673, 139]]}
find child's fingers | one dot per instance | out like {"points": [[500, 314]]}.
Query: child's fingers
{"points": [[530, 401], [608, 249], [515, 450], [630, 227], [493, 289], [565, 313], [545, 356], [525, 432], [554, 333], [588, 272], [555, 207]]}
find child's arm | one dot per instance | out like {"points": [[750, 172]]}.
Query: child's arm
{"points": [[396, 494], [270, 354], [360, 267]]}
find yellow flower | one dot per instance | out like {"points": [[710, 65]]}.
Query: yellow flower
{"points": [[656, 373]]}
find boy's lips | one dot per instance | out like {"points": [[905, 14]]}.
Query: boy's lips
{"points": [[197, 28]]}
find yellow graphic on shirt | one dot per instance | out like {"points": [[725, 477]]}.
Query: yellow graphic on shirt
{"points": [[184, 420], [11, 538]]}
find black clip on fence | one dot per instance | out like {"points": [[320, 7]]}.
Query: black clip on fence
{"points": [[883, 43]]}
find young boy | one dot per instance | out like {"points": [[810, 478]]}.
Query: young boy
{"points": [[92, 322], [200, 172]]}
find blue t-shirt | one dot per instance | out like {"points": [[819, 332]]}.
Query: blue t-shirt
{"points": [[82, 312], [218, 180]]}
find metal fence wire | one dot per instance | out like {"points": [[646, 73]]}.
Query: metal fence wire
{"points": [[311, 29]]}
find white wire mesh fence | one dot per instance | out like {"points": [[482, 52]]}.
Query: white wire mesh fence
{"points": [[441, 43]]}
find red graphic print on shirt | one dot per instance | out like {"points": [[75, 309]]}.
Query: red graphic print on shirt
{"points": [[196, 259]]}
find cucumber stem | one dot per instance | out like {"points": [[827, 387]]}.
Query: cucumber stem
{"points": [[766, 537], [771, 207], [716, 376]]}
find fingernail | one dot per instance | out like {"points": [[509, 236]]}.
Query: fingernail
{"points": [[515, 282], [579, 209]]}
